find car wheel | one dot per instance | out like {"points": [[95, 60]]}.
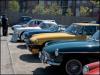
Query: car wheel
{"points": [[21, 36], [73, 67]]}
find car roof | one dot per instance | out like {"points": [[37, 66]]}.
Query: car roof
{"points": [[86, 24]]}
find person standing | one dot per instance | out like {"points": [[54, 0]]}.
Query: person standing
{"points": [[4, 22]]}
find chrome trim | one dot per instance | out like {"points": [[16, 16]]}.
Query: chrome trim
{"points": [[57, 52], [53, 63], [46, 44], [79, 52], [85, 69], [44, 59]]}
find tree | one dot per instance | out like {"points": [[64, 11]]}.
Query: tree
{"points": [[84, 11], [69, 12], [96, 2], [14, 5], [53, 10], [64, 5], [39, 9]]}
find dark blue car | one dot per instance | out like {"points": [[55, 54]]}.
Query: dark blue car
{"points": [[72, 55]]}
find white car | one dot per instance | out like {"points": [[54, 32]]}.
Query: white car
{"points": [[30, 23], [46, 24]]}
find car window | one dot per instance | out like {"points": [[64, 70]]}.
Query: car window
{"points": [[96, 36], [43, 25], [54, 28], [74, 29], [81, 30], [89, 30], [38, 22], [31, 23], [46, 25]]}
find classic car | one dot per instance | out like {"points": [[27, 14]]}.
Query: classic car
{"points": [[54, 28], [30, 23], [72, 55], [76, 31], [18, 32], [22, 20], [92, 68]]}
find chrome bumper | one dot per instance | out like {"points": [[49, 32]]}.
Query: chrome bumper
{"points": [[14, 38], [53, 63], [27, 43], [46, 59]]}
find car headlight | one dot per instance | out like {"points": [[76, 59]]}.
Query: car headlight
{"points": [[56, 52], [34, 41], [85, 69], [45, 56]]}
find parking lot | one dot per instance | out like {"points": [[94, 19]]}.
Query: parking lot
{"points": [[16, 59]]}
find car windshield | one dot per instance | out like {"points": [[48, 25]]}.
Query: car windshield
{"points": [[54, 28], [80, 29], [46, 25], [30, 22], [95, 37]]}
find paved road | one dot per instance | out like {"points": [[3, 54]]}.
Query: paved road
{"points": [[16, 59], [6, 64]]}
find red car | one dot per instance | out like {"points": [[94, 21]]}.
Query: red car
{"points": [[92, 68]]}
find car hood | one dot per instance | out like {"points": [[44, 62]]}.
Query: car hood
{"points": [[59, 41], [29, 33], [58, 35], [80, 46]]}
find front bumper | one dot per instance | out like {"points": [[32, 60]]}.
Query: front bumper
{"points": [[45, 58], [34, 48], [15, 38]]}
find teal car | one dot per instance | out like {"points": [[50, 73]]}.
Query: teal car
{"points": [[72, 54]]}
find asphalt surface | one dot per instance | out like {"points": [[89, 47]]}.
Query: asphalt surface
{"points": [[16, 59]]}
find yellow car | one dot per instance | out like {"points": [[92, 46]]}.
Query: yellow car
{"points": [[76, 31]]}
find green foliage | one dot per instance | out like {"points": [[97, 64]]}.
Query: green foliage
{"points": [[96, 2], [14, 5], [69, 12], [84, 11], [53, 10], [39, 9]]}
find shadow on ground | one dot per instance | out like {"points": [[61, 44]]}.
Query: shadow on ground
{"points": [[22, 47], [30, 58], [50, 70], [10, 33]]}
